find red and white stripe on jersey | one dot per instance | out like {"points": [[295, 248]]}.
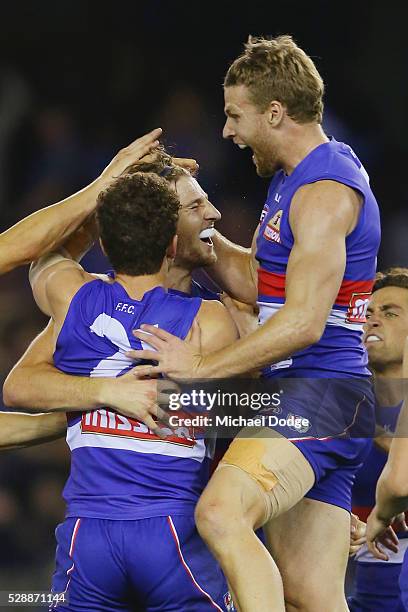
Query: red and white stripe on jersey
{"points": [[353, 295], [80, 436], [336, 317]]}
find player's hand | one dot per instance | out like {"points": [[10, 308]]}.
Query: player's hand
{"points": [[130, 155], [188, 164], [244, 316], [357, 534], [379, 533], [136, 398], [178, 359]]}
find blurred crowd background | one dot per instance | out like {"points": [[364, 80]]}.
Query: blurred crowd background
{"points": [[79, 80]]}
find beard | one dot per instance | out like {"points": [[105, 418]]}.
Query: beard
{"points": [[190, 258], [266, 164]]}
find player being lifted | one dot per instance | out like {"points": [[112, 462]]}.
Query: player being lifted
{"points": [[311, 269]]}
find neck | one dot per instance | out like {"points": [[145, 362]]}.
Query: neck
{"points": [[389, 385], [299, 141], [179, 278], [137, 286]]}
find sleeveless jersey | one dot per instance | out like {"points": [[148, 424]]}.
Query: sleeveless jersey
{"points": [[366, 482], [340, 351], [119, 468], [198, 290]]}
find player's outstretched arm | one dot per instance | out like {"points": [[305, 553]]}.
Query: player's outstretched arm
{"points": [[322, 215], [20, 430], [47, 228], [236, 269]]}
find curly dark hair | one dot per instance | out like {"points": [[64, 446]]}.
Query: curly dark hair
{"points": [[137, 217]]}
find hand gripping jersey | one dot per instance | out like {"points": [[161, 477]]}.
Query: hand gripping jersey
{"points": [[340, 349], [119, 469]]}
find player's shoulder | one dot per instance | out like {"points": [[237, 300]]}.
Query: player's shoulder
{"points": [[213, 314], [212, 309]]}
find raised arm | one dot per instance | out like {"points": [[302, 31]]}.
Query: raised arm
{"points": [[47, 228], [236, 269], [322, 215]]}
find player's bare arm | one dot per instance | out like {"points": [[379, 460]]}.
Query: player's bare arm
{"points": [[36, 384], [322, 215], [216, 325], [47, 228], [236, 269], [392, 486], [19, 430]]}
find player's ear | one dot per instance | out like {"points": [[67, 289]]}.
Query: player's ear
{"points": [[102, 247], [172, 248], [275, 113]]}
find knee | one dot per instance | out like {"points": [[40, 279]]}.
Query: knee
{"points": [[313, 598], [213, 520]]}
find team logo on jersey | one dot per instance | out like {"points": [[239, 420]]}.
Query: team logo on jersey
{"points": [[357, 309], [228, 603], [272, 229], [302, 424], [109, 423]]}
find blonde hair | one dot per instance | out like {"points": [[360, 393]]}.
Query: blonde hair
{"points": [[277, 69]]}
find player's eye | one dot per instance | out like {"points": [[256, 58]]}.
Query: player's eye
{"points": [[390, 315]]}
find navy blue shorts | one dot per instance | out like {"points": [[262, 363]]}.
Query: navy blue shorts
{"points": [[335, 464], [403, 582], [155, 564], [376, 588], [336, 433]]}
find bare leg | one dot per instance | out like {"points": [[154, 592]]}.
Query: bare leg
{"points": [[230, 508], [310, 545]]}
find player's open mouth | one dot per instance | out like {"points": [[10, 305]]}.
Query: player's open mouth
{"points": [[372, 338], [206, 235]]}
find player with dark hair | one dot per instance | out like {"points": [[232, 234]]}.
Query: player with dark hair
{"points": [[128, 486], [376, 580]]}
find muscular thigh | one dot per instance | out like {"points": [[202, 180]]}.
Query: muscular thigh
{"points": [[310, 545], [268, 464]]}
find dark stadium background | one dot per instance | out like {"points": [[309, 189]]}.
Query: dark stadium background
{"points": [[78, 80]]}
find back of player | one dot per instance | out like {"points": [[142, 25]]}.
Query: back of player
{"points": [[129, 539]]}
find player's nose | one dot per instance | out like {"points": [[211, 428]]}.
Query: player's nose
{"points": [[372, 322], [227, 131], [212, 213]]}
